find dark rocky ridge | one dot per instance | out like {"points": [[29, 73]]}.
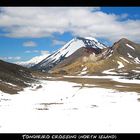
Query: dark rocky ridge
{"points": [[13, 77]]}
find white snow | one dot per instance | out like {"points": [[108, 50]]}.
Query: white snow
{"points": [[137, 60], [90, 77], [130, 55], [109, 55], [81, 110], [10, 84], [136, 71], [119, 79], [120, 64], [83, 72], [138, 67], [119, 86], [66, 50], [126, 81], [124, 59], [85, 68], [7, 83], [113, 78], [130, 46], [35, 60], [74, 45], [109, 72], [101, 46], [91, 38], [71, 47]]}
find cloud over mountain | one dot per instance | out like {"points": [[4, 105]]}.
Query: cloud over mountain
{"points": [[29, 44], [80, 21]]}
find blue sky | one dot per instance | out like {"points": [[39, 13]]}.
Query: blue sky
{"points": [[133, 12], [29, 32]]}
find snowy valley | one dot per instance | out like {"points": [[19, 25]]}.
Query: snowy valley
{"points": [[84, 87], [69, 108]]}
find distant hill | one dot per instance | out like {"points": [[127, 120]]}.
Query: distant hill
{"points": [[86, 56], [67, 50], [13, 77], [35, 60]]}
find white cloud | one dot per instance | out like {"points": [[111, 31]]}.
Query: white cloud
{"points": [[58, 42], [36, 51], [29, 44], [32, 51], [80, 21], [44, 52], [123, 16], [27, 51], [11, 58]]}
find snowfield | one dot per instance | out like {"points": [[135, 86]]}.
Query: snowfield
{"points": [[65, 107], [69, 48], [130, 46], [35, 60]]}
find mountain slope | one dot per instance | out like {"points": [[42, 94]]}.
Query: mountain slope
{"points": [[52, 60], [13, 78], [33, 61], [86, 56], [122, 58], [128, 50], [125, 58]]}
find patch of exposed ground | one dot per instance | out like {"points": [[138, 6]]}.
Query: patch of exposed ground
{"points": [[9, 88], [45, 106], [106, 83], [102, 83], [95, 82]]}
